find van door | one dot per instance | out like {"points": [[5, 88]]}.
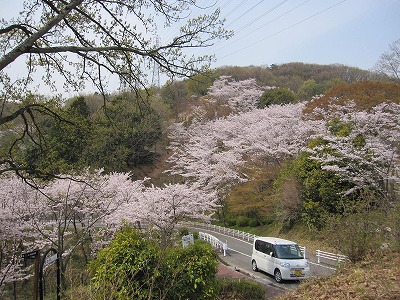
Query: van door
{"points": [[270, 260], [260, 254]]}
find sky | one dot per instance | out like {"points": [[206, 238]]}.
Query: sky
{"points": [[349, 32]]}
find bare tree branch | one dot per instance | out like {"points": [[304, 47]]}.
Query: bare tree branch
{"points": [[389, 62], [30, 41]]}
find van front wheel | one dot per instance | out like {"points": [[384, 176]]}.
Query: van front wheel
{"points": [[278, 276], [254, 266]]}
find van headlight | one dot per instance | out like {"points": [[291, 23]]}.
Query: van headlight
{"points": [[307, 264], [285, 265]]}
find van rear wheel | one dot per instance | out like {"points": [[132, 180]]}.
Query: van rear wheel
{"points": [[254, 266], [278, 276]]}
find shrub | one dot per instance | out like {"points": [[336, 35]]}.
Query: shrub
{"points": [[231, 222], [183, 231], [239, 289], [190, 272], [242, 221], [276, 96], [253, 223], [135, 267], [127, 268], [359, 231]]}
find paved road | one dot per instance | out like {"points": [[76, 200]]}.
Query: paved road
{"points": [[239, 257]]}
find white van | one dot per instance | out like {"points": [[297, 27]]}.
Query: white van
{"points": [[280, 258]]}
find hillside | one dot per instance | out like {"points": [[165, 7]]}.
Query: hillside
{"points": [[274, 184], [374, 278]]}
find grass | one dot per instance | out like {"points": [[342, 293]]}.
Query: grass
{"points": [[374, 278], [240, 289]]}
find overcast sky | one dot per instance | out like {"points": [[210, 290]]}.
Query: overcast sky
{"points": [[349, 32]]}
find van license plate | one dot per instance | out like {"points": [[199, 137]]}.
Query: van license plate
{"points": [[298, 272]]}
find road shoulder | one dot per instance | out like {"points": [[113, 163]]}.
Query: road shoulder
{"points": [[225, 270]]}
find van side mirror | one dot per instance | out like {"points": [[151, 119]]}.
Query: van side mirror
{"points": [[271, 254]]}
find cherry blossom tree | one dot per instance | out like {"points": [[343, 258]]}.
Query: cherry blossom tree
{"points": [[240, 96], [64, 213], [366, 154], [15, 233], [213, 153], [63, 207], [162, 208]]}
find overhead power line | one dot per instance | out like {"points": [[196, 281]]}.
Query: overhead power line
{"points": [[286, 28], [244, 13], [205, 51], [247, 25]]}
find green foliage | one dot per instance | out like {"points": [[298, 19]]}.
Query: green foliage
{"points": [[276, 96], [134, 267], [321, 191], [339, 128], [183, 231], [175, 94], [192, 271], [242, 221], [118, 138], [123, 136], [361, 221], [122, 269], [199, 84], [310, 88], [251, 203], [254, 223], [230, 221], [314, 214], [79, 107], [62, 143], [239, 289], [295, 76], [318, 192]]}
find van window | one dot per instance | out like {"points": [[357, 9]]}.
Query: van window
{"points": [[288, 251], [263, 247], [260, 246], [269, 248]]}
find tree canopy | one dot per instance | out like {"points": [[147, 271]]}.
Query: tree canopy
{"points": [[277, 96]]}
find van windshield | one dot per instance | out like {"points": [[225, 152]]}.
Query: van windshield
{"points": [[288, 251]]}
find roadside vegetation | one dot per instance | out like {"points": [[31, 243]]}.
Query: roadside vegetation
{"points": [[376, 277]]}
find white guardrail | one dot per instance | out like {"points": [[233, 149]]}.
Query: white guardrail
{"points": [[338, 258], [322, 256], [216, 243], [228, 231]]}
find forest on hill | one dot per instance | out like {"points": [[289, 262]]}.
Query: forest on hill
{"points": [[283, 145]]}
